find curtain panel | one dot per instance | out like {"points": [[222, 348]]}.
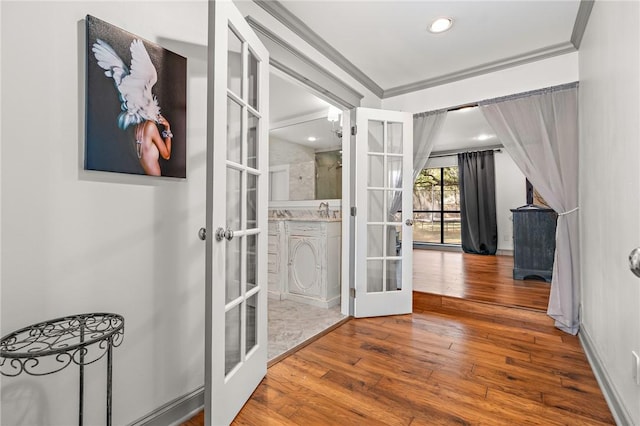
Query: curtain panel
{"points": [[478, 222], [539, 130], [426, 129]]}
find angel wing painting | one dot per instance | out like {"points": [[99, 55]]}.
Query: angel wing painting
{"points": [[138, 116]]}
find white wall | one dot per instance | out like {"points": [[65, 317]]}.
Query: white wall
{"points": [[536, 75], [76, 241], [609, 192], [510, 194]]}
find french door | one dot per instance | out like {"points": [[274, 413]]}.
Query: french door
{"points": [[236, 218], [384, 213]]}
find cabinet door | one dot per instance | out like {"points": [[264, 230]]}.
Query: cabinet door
{"points": [[306, 264]]}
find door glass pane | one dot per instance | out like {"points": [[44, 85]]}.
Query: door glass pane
{"points": [[252, 261], [393, 241], [253, 80], [234, 200], [394, 203], [375, 240], [234, 64], [234, 131], [376, 171], [374, 276], [394, 172], [252, 200], [232, 339], [232, 262], [375, 206], [252, 328], [394, 275], [376, 136], [394, 138], [252, 141]]}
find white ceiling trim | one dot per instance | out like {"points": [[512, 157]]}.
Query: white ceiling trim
{"points": [[287, 59], [533, 56], [282, 14], [584, 11]]}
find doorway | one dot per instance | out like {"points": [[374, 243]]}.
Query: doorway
{"points": [[441, 268], [305, 215]]}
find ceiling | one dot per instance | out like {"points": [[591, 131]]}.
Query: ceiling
{"points": [[386, 45]]}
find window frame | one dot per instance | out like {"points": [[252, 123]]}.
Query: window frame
{"points": [[441, 212]]}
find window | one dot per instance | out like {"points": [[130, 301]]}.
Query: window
{"points": [[436, 206]]}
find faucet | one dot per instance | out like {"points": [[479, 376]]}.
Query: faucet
{"points": [[324, 209]]}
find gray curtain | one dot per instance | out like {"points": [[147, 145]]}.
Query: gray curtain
{"points": [[477, 180], [539, 130]]}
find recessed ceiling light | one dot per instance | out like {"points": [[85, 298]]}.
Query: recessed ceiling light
{"points": [[441, 25], [312, 139], [483, 137]]}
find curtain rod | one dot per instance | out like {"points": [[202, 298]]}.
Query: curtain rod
{"points": [[494, 148], [504, 98]]}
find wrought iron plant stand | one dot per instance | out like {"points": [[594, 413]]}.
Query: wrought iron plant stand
{"points": [[50, 346]]}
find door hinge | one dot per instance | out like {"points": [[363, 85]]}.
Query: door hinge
{"points": [[353, 211], [354, 130], [352, 293]]}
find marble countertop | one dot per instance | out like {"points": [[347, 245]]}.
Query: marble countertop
{"points": [[307, 219]]}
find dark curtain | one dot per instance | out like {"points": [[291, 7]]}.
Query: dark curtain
{"points": [[478, 202]]}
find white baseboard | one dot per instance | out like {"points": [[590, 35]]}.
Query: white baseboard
{"points": [[174, 412], [501, 252], [618, 410]]}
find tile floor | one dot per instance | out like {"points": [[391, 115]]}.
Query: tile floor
{"points": [[291, 323]]}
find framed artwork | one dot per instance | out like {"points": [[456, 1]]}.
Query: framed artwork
{"points": [[136, 104]]}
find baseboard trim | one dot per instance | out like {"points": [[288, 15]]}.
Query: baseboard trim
{"points": [[503, 252], [174, 412], [618, 410]]}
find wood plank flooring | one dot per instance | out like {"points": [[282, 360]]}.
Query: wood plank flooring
{"points": [[476, 277], [451, 362]]}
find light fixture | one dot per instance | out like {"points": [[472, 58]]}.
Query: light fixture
{"points": [[441, 25], [334, 114], [483, 137], [465, 109], [312, 139]]}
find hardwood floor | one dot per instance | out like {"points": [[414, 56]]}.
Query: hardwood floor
{"points": [[452, 361], [476, 277]]}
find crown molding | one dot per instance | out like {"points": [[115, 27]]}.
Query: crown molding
{"points": [[580, 25], [296, 64], [533, 56], [282, 14]]}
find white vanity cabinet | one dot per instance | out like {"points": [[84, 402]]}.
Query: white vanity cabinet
{"points": [[314, 262], [304, 261]]}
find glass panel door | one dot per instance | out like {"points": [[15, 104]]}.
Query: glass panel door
{"points": [[237, 174], [384, 159]]}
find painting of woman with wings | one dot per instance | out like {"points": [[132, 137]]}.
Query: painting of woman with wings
{"points": [[129, 81]]}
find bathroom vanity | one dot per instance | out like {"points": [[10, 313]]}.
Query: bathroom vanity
{"points": [[304, 260]]}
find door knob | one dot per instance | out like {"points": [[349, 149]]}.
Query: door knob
{"points": [[222, 233], [202, 233], [634, 261], [409, 222]]}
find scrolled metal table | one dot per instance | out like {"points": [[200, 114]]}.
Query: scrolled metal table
{"points": [[50, 346]]}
